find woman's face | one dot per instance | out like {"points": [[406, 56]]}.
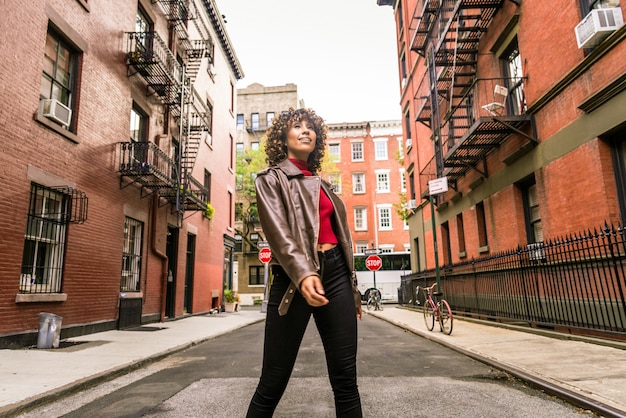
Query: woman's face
{"points": [[300, 140]]}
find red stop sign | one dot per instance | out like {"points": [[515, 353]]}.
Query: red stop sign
{"points": [[373, 262], [265, 255]]}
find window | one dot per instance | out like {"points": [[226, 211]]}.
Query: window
{"points": [[407, 129], [131, 256], [255, 121], [445, 243], [460, 234], [380, 148], [357, 151], [240, 148], [44, 242], [386, 248], [334, 152], [588, 5], [256, 276], [335, 181], [240, 125], [209, 122], [58, 79], [238, 243], [269, 116], [482, 227], [534, 231], [618, 154], [361, 247], [138, 123], [402, 180], [512, 68], [382, 181], [358, 183], [254, 240], [384, 217], [232, 150], [207, 184], [254, 146], [230, 211], [360, 219]]}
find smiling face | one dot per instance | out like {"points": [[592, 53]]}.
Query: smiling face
{"points": [[300, 140]]}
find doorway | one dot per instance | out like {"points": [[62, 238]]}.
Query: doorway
{"points": [[171, 251], [189, 270]]}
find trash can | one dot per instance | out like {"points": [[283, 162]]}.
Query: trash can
{"points": [[49, 330]]}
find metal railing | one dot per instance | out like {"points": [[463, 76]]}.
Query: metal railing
{"points": [[575, 284], [147, 164]]}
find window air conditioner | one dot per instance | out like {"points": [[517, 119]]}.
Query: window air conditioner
{"points": [[411, 204], [597, 25], [56, 111], [409, 143]]}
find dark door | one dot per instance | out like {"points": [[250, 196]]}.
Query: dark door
{"points": [[172, 255], [189, 269]]}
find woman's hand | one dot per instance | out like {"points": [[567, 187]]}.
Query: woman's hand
{"points": [[359, 313], [313, 291]]}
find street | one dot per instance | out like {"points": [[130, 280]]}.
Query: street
{"points": [[400, 375]]}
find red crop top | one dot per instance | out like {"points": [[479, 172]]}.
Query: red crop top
{"points": [[327, 235]]}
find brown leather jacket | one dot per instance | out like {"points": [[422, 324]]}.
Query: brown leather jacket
{"points": [[288, 204]]}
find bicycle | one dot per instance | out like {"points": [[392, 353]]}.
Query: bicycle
{"points": [[437, 309], [374, 300]]}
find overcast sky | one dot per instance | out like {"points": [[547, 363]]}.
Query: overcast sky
{"points": [[340, 53]]}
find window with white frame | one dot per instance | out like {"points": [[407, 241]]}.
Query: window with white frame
{"points": [[384, 218], [131, 256], [269, 116], [380, 149], [58, 80], [360, 219], [360, 247], [240, 124], [335, 181], [255, 121], [382, 181], [334, 152], [357, 151], [254, 146], [386, 248], [358, 183], [44, 241]]}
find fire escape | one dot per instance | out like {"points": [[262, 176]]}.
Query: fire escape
{"points": [[172, 83], [461, 109]]}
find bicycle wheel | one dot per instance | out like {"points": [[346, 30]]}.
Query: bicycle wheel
{"points": [[429, 318], [445, 317]]}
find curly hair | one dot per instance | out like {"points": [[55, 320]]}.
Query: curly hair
{"points": [[276, 137]]}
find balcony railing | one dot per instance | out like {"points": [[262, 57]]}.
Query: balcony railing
{"points": [[149, 55], [470, 131], [190, 195], [147, 165]]}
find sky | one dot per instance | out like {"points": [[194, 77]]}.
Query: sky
{"points": [[340, 53]]}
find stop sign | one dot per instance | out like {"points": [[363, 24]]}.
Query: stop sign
{"points": [[265, 255], [373, 262]]}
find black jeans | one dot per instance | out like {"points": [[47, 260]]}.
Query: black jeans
{"points": [[336, 323]]}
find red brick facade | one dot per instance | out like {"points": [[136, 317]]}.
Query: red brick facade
{"points": [[87, 157], [562, 162]]}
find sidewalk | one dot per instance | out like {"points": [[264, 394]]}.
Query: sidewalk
{"points": [[583, 371], [30, 376], [587, 374]]}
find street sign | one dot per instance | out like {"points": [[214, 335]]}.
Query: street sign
{"points": [[371, 251], [265, 255], [373, 262], [437, 186]]}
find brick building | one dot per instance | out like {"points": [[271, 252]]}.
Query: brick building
{"points": [[118, 163], [256, 107], [519, 105]]}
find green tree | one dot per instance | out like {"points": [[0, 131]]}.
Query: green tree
{"points": [[248, 164]]}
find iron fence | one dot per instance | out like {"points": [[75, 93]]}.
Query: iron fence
{"points": [[575, 284]]}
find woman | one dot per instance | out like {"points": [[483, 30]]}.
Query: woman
{"points": [[312, 264]]}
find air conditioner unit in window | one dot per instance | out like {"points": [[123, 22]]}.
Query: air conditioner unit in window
{"points": [[597, 25], [56, 111], [411, 204]]}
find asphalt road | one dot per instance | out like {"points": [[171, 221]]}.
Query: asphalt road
{"points": [[400, 375]]}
